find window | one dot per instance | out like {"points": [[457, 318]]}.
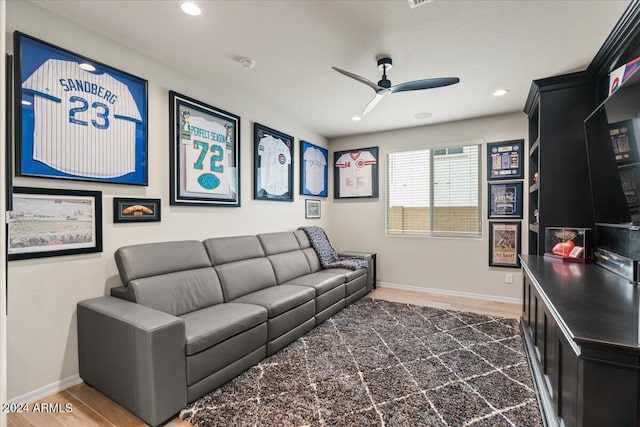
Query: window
{"points": [[434, 192]]}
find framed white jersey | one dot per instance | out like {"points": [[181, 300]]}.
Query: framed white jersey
{"points": [[78, 119], [205, 154], [313, 169], [273, 159], [356, 173]]}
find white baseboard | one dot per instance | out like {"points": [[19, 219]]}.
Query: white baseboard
{"points": [[47, 390], [448, 292]]}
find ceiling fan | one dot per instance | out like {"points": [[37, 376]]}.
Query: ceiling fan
{"points": [[384, 87]]}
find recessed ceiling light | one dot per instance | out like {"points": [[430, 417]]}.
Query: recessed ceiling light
{"points": [[356, 118], [87, 67], [501, 92], [190, 8], [247, 63], [421, 116], [25, 102]]}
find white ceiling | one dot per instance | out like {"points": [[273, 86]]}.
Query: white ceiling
{"points": [[487, 44]]}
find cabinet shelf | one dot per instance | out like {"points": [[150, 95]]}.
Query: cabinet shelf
{"points": [[534, 147], [534, 187]]}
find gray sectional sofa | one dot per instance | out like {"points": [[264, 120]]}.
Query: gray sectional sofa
{"points": [[192, 315]]}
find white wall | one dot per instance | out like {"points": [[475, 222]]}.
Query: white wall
{"points": [[42, 343], [454, 265]]}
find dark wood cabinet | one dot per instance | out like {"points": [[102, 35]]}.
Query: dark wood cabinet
{"points": [[559, 194], [580, 327]]}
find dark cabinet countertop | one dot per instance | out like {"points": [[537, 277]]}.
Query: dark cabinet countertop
{"points": [[595, 306]]}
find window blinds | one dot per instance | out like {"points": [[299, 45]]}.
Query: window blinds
{"points": [[434, 192]]}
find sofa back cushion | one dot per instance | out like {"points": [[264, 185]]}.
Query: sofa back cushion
{"points": [[241, 265], [283, 251], [222, 250], [173, 277], [277, 243], [180, 292], [309, 252]]}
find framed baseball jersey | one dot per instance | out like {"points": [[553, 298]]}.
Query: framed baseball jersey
{"points": [[205, 154], [78, 118], [273, 159], [313, 170], [356, 173]]}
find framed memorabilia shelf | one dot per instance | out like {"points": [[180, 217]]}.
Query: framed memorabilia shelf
{"points": [[314, 170], [204, 155], [505, 200], [136, 210], [355, 173], [77, 118], [504, 244], [52, 222], [504, 160], [273, 160]]}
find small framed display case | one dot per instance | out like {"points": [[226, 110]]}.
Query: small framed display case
{"points": [[567, 244]]}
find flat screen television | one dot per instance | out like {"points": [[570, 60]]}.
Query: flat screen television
{"points": [[612, 135]]}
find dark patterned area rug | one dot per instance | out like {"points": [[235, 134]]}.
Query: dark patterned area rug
{"points": [[380, 363]]}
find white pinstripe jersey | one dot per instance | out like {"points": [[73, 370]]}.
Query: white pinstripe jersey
{"points": [[314, 163], [275, 159], [85, 123]]}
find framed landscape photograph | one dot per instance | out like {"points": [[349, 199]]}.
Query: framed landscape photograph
{"points": [[504, 244], [505, 200], [312, 209], [52, 222], [135, 210], [205, 154], [355, 173], [273, 160], [505, 160], [77, 118], [314, 170]]}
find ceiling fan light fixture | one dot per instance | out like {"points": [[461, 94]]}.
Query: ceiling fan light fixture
{"points": [[501, 92], [416, 3], [190, 8]]}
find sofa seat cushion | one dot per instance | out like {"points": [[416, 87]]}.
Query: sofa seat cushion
{"points": [[321, 282], [279, 299], [212, 325], [349, 274]]}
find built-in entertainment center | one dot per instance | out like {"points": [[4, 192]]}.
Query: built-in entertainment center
{"points": [[581, 322]]}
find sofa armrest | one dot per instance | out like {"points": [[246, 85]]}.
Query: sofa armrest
{"points": [[371, 270], [135, 355]]}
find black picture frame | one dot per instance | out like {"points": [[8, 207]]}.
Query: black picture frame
{"points": [[77, 118], [505, 199], [312, 208], [47, 222], [126, 209], [504, 244], [314, 170], [273, 164], [505, 160], [204, 154], [355, 173], [9, 133]]}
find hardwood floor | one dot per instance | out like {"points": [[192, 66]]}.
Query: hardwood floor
{"points": [[87, 407]]}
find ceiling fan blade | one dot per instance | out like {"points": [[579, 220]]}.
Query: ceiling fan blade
{"points": [[424, 84], [371, 105], [369, 83]]}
